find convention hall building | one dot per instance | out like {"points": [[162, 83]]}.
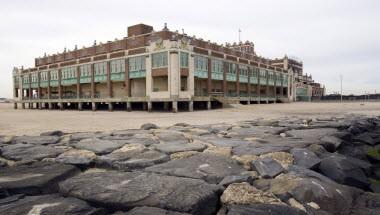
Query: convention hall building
{"points": [[153, 70]]}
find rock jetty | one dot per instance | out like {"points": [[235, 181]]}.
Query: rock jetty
{"points": [[299, 166]]}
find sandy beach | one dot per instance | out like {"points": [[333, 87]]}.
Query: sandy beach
{"points": [[33, 122]]}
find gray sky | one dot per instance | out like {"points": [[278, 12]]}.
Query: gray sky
{"points": [[331, 37]]}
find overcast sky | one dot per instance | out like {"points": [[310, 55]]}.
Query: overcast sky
{"points": [[331, 37]]}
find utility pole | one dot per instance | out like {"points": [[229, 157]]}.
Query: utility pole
{"points": [[341, 88]]}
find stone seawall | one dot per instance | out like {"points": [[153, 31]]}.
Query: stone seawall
{"points": [[285, 166]]}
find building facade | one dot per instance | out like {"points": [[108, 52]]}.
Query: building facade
{"points": [[152, 69]]}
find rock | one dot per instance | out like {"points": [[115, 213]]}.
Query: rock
{"points": [[331, 143], [152, 211], [171, 136], [149, 126], [142, 141], [263, 209], [223, 142], [41, 177], [29, 152], [180, 155], [98, 146], [344, 171], [77, 157], [131, 156], [257, 150], [257, 131], [331, 197], [267, 167], [48, 205], [52, 133], [244, 193], [366, 204], [36, 140], [245, 160], [231, 179], [305, 158], [173, 147], [315, 134], [365, 138], [123, 190], [182, 124], [142, 160], [225, 151], [253, 174], [209, 167], [84, 135], [284, 158]]}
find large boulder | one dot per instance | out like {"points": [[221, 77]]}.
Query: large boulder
{"points": [[209, 167], [152, 210], [315, 134], [263, 209], [331, 197], [98, 146], [173, 147], [48, 205], [123, 190], [52, 133], [365, 138], [132, 156], [267, 167], [284, 158], [29, 152], [37, 140], [366, 204], [41, 177], [305, 158], [344, 171], [171, 136], [77, 157]]}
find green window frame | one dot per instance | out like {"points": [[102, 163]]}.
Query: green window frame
{"points": [[137, 64], [184, 59], [160, 60], [100, 68], [243, 70], [217, 66], [25, 79], [231, 68], [117, 66], [201, 63], [68, 72], [85, 70]]}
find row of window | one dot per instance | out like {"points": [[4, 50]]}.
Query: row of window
{"points": [[69, 72], [136, 64]]}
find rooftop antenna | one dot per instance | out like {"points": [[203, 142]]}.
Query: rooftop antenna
{"points": [[239, 35]]}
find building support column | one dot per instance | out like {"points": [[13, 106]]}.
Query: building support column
{"points": [[50, 105], [174, 106], [93, 106], [23, 105], [249, 85], [110, 106], [208, 105], [209, 80], [237, 80], [191, 106], [149, 106], [129, 106], [225, 69], [80, 106], [61, 105], [78, 84], [15, 105], [127, 80], [166, 106], [109, 82]]}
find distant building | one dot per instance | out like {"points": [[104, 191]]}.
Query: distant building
{"points": [[156, 69], [303, 86]]}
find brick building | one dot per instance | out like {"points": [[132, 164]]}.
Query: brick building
{"points": [[152, 69]]}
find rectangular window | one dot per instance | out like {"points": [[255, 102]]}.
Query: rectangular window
{"points": [[231, 68], [118, 66], [137, 63], [69, 72], [160, 60], [243, 70], [184, 59], [201, 63], [100, 68], [85, 70], [217, 66]]}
